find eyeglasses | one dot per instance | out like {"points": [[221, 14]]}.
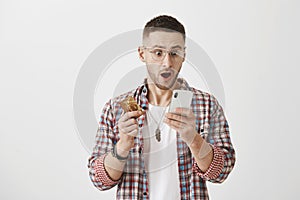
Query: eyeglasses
{"points": [[159, 54]]}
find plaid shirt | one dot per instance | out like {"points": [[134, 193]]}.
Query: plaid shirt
{"points": [[210, 124]]}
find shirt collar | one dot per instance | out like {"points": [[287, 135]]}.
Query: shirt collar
{"points": [[141, 92]]}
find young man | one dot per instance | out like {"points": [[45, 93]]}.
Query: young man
{"points": [[157, 154]]}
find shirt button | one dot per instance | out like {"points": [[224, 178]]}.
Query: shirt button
{"points": [[145, 193], [140, 125]]}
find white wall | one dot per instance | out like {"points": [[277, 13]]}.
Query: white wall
{"points": [[43, 44]]}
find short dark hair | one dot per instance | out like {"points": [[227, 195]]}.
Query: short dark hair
{"points": [[163, 23]]}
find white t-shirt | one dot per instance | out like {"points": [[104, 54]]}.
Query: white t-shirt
{"points": [[160, 157]]}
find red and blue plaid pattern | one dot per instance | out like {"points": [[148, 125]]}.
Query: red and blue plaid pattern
{"points": [[210, 123]]}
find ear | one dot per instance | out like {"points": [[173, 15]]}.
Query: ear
{"points": [[141, 52]]}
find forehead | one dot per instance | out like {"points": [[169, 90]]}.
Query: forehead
{"points": [[164, 39]]}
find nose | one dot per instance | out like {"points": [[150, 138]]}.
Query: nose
{"points": [[167, 61]]}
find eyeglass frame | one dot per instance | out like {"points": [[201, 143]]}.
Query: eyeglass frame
{"points": [[165, 51]]}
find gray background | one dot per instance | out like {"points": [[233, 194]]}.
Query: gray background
{"points": [[254, 45]]}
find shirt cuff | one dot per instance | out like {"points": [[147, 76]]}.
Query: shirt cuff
{"points": [[215, 167], [101, 174]]}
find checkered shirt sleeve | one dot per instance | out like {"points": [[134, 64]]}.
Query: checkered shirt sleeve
{"points": [[223, 151], [104, 141]]}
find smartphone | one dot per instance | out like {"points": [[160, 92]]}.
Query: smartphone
{"points": [[180, 98]]}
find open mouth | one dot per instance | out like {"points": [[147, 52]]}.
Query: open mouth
{"points": [[166, 74]]}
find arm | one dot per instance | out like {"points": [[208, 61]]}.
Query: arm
{"points": [[128, 129], [106, 170], [104, 141], [112, 165], [214, 156], [218, 138], [202, 152]]}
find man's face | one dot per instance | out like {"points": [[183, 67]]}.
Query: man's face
{"points": [[163, 53]]}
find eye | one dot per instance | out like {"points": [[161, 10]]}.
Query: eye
{"points": [[174, 53], [158, 52]]}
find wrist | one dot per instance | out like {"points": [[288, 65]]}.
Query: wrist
{"points": [[123, 148], [192, 139], [200, 148], [196, 142], [121, 155]]}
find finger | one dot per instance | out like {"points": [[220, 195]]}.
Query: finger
{"points": [[122, 116], [129, 122], [176, 117], [132, 114], [183, 111], [174, 123], [129, 128], [176, 128], [133, 133]]}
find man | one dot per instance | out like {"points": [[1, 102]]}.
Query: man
{"points": [[157, 154]]}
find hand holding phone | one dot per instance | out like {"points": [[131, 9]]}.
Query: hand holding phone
{"points": [[183, 120]]}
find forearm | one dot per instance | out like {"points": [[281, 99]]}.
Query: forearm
{"points": [[202, 152], [209, 160], [113, 166]]}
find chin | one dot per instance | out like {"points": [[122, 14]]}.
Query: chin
{"points": [[166, 86], [162, 87]]}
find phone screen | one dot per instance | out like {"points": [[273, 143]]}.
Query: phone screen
{"points": [[181, 98]]}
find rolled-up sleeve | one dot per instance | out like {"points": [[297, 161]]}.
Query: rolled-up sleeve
{"points": [[99, 176], [215, 167], [105, 138], [223, 151]]}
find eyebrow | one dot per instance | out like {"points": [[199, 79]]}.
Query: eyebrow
{"points": [[163, 47]]}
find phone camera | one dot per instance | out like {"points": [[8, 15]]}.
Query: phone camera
{"points": [[176, 94]]}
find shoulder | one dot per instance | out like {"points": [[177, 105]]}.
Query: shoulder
{"points": [[204, 100], [114, 102], [201, 95], [205, 105]]}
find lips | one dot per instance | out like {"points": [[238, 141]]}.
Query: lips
{"points": [[166, 74]]}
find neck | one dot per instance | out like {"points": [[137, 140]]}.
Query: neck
{"points": [[159, 97]]}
